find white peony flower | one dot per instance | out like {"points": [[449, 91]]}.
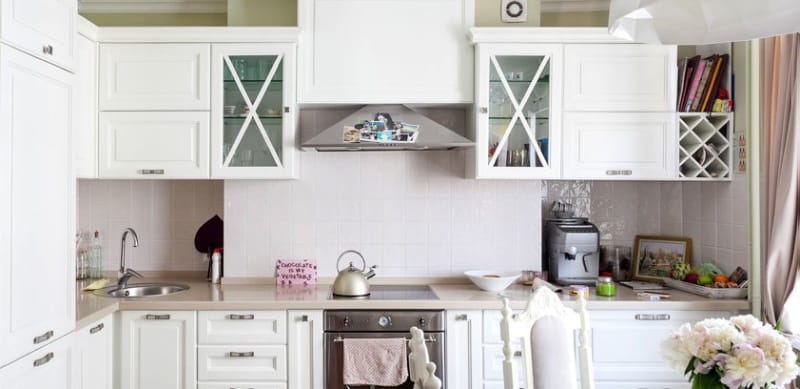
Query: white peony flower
{"points": [[744, 367], [674, 349], [747, 323]]}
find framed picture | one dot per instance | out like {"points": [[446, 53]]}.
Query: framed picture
{"points": [[654, 256]]}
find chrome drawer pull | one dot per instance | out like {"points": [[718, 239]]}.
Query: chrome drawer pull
{"points": [[248, 354], [241, 317], [97, 328], [43, 337], [462, 317], [47, 49], [619, 172], [484, 110], [151, 171], [517, 354], [647, 316], [156, 317], [41, 361], [304, 318]]}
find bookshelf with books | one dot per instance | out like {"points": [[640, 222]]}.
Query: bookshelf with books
{"points": [[705, 112]]}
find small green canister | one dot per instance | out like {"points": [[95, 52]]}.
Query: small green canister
{"points": [[605, 287]]}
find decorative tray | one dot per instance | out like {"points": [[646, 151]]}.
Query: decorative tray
{"points": [[713, 293]]}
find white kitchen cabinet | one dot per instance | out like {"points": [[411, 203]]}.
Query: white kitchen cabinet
{"points": [[85, 134], [153, 145], [518, 123], [253, 111], [241, 327], [157, 350], [241, 363], [37, 195], [613, 146], [623, 78], [52, 367], [44, 28], [148, 77], [464, 352], [94, 345], [242, 385], [385, 51], [305, 350]]}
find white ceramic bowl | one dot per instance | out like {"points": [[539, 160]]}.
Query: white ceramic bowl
{"points": [[492, 281]]}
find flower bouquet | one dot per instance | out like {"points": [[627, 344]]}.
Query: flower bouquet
{"points": [[738, 353]]}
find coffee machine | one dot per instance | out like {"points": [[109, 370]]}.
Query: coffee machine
{"points": [[572, 250]]}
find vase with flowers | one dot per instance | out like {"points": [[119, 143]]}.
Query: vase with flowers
{"points": [[736, 353]]}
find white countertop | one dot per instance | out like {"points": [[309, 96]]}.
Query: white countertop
{"points": [[205, 296]]}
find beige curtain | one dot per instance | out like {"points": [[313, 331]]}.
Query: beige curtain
{"points": [[780, 174]]}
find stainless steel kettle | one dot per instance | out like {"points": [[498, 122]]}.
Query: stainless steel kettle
{"points": [[352, 281]]}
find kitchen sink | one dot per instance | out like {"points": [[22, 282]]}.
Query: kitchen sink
{"points": [[141, 290]]}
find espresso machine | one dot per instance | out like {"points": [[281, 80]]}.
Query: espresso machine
{"points": [[572, 250]]}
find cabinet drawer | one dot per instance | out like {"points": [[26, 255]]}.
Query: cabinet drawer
{"points": [[242, 385], [144, 77], [233, 363], [152, 145], [53, 366], [242, 327]]}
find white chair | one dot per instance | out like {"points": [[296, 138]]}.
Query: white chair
{"points": [[546, 331], [420, 368]]}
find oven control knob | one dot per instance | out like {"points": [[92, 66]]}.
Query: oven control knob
{"points": [[422, 322], [347, 321], [384, 321]]}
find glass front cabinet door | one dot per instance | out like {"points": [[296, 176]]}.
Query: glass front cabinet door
{"points": [[253, 111], [519, 111]]}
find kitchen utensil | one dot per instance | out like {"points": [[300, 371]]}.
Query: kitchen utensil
{"points": [[352, 281], [491, 281]]}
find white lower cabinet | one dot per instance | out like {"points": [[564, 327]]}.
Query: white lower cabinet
{"points": [[52, 367], [305, 350], [157, 350], [95, 354], [464, 354]]}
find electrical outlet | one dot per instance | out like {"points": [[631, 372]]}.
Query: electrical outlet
{"points": [[514, 11]]}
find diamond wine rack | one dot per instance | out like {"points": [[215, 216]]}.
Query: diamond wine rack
{"points": [[706, 151]]}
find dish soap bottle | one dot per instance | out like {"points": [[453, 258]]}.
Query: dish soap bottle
{"points": [[95, 256], [216, 266]]}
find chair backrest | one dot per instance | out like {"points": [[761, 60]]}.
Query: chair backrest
{"points": [[546, 332], [420, 368]]}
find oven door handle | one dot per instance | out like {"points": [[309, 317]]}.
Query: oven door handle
{"points": [[428, 339]]}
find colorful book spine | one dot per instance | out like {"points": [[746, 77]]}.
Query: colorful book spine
{"points": [[701, 87], [698, 73], [719, 71]]}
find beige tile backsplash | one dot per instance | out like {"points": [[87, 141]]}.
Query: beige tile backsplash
{"points": [[165, 215]]}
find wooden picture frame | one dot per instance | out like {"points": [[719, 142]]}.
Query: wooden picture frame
{"points": [[654, 256]]}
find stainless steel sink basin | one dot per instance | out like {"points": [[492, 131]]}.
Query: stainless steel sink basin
{"points": [[141, 290]]}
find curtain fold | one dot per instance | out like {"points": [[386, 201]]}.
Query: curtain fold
{"points": [[780, 176]]}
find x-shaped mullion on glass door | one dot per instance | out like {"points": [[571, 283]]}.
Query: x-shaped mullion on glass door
{"points": [[518, 106], [251, 114]]}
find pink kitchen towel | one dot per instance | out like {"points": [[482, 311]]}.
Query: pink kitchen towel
{"points": [[380, 362]]}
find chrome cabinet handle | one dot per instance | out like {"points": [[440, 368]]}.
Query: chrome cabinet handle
{"points": [[517, 354], [286, 109], [43, 337], [461, 317], [97, 328], [156, 317], [47, 49], [41, 361], [484, 110], [619, 172], [304, 318], [151, 171], [247, 354], [652, 317], [241, 317]]}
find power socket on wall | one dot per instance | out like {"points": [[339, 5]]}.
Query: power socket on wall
{"points": [[514, 11]]}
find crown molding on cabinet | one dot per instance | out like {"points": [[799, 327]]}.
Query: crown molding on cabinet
{"points": [[153, 6], [542, 35], [87, 28], [199, 34], [574, 5]]}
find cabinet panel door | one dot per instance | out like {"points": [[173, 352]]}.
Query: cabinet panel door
{"points": [[153, 145], [44, 28], [95, 350], [620, 146], [464, 353], [52, 367], [305, 350], [241, 362], [157, 350], [85, 149], [242, 327], [36, 204], [141, 77], [618, 77]]}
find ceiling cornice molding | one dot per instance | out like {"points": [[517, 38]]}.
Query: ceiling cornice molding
{"points": [[553, 6], [152, 6]]}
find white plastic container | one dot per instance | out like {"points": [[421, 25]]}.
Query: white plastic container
{"points": [[216, 261]]}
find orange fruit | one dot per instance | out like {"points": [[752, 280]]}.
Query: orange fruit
{"points": [[721, 278]]}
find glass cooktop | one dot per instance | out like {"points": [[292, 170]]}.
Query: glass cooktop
{"points": [[394, 292]]}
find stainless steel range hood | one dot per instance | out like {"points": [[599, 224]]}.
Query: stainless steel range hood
{"points": [[431, 134]]}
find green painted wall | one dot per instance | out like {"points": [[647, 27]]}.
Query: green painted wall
{"points": [[262, 12], [157, 19], [575, 19]]}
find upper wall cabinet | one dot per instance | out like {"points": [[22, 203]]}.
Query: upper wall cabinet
{"points": [[85, 135], [43, 28], [385, 51], [163, 76], [619, 77]]}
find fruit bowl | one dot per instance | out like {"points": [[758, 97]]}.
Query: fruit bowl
{"points": [[714, 293], [491, 281]]}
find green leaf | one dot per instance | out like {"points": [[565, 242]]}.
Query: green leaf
{"points": [[690, 367], [707, 381]]}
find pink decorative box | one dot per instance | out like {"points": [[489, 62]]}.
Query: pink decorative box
{"points": [[296, 272]]}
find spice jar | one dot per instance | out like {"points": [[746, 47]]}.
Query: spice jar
{"points": [[605, 287]]}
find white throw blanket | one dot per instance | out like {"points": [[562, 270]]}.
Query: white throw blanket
{"points": [[380, 362]]}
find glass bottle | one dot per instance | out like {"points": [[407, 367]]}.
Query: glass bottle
{"points": [[95, 257]]}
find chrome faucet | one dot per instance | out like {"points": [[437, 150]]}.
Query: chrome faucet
{"points": [[124, 273]]}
